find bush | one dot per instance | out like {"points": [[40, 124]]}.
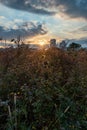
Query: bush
{"points": [[45, 90]]}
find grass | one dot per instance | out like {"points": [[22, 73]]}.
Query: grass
{"points": [[46, 89]]}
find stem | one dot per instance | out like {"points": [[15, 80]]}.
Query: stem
{"points": [[15, 99]]}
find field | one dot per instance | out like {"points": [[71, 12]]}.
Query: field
{"points": [[43, 89]]}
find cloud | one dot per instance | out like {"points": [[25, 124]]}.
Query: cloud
{"points": [[2, 18], [72, 8], [27, 29], [80, 30], [83, 29], [28, 5]]}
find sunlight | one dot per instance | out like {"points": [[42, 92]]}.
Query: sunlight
{"points": [[42, 42]]}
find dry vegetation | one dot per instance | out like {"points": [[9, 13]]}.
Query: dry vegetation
{"points": [[44, 90]]}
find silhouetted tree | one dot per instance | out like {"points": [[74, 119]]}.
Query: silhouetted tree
{"points": [[5, 43], [1, 39], [74, 46], [17, 41]]}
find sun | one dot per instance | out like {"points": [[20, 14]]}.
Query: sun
{"points": [[42, 42]]}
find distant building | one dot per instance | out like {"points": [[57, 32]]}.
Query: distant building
{"points": [[53, 43], [63, 45]]}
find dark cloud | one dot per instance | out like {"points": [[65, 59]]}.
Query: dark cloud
{"points": [[27, 5], [73, 8], [26, 30]]}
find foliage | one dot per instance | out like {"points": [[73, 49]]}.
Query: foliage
{"points": [[74, 46], [44, 89]]}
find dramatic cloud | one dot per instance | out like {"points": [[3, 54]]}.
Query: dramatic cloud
{"points": [[34, 6], [72, 8], [27, 29]]}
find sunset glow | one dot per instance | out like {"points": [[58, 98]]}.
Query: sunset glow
{"points": [[42, 42], [44, 20]]}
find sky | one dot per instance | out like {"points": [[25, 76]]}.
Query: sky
{"points": [[38, 21]]}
